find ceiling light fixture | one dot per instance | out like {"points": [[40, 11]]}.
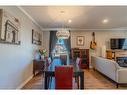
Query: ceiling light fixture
{"points": [[69, 21], [105, 21], [62, 11], [63, 33]]}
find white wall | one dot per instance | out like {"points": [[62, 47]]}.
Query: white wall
{"points": [[102, 38], [16, 60]]}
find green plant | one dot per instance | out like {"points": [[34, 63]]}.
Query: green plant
{"points": [[43, 52]]}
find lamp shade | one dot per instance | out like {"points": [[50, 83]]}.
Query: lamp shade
{"points": [[63, 34]]}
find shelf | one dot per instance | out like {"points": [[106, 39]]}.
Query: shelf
{"points": [[3, 42], [83, 54], [113, 54]]}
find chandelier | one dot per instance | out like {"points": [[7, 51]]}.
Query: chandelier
{"points": [[63, 34]]}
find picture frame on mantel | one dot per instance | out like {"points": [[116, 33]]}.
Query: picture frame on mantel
{"points": [[80, 40], [36, 37], [9, 28]]}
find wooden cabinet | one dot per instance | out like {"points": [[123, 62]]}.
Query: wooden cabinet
{"points": [[113, 54], [83, 54], [38, 65]]}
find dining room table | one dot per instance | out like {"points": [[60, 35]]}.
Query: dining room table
{"points": [[49, 73]]}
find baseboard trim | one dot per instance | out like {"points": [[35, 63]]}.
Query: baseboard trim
{"points": [[23, 84]]}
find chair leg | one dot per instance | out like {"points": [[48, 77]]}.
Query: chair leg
{"points": [[117, 85], [77, 81], [50, 82]]}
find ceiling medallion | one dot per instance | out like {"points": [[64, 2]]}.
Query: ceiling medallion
{"points": [[63, 34]]}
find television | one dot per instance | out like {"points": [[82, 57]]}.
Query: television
{"points": [[118, 43]]}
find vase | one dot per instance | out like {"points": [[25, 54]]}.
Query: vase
{"points": [[42, 57], [37, 56]]}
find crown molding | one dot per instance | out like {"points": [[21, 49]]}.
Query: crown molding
{"points": [[33, 20], [78, 29]]}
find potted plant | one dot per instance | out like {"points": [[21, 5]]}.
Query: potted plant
{"points": [[42, 53]]}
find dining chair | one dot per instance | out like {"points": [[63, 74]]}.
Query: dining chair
{"points": [[48, 63], [63, 59], [78, 65], [63, 77], [49, 60], [78, 62]]}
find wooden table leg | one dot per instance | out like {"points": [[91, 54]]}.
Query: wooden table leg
{"points": [[34, 72], [82, 80], [46, 81]]}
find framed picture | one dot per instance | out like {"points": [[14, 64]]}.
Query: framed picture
{"points": [[9, 33], [80, 40], [36, 37]]}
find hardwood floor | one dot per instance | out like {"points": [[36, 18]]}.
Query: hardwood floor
{"points": [[93, 80], [35, 83]]}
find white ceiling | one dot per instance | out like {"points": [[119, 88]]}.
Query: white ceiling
{"points": [[83, 17]]}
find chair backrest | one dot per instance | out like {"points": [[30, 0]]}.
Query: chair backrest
{"points": [[63, 59], [63, 77], [78, 61], [48, 61]]}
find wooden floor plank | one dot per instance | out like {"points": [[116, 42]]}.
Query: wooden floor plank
{"points": [[93, 80]]}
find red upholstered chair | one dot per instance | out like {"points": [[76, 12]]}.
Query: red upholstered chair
{"points": [[63, 77]]}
